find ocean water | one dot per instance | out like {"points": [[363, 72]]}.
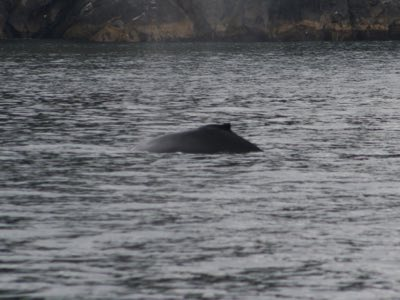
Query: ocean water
{"points": [[83, 215]]}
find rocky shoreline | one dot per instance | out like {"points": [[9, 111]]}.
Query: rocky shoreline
{"points": [[200, 20]]}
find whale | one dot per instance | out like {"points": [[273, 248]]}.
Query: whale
{"points": [[208, 139]]}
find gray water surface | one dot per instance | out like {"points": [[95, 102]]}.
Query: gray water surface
{"points": [[85, 216]]}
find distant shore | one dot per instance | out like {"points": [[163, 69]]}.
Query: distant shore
{"points": [[201, 20]]}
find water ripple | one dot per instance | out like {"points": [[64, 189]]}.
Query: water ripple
{"points": [[315, 216]]}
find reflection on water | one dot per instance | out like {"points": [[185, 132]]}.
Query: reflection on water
{"points": [[315, 216]]}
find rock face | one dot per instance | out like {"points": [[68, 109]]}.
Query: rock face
{"points": [[30, 18], [171, 20]]}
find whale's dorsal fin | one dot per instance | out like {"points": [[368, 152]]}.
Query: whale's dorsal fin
{"points": [[225, 126]]}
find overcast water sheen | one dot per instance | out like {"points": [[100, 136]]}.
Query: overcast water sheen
{"points": [[314, 216]]}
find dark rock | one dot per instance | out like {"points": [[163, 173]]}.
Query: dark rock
{"points": [[163, 20], [394, 30], [31, 18], [5, 7]]}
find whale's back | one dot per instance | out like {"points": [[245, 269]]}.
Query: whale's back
{"points": [[207, 139]]}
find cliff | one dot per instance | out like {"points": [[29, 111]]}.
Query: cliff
{"points": [[171, 20]]}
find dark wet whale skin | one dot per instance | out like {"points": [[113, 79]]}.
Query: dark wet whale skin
{"points": [[207, 139]]}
